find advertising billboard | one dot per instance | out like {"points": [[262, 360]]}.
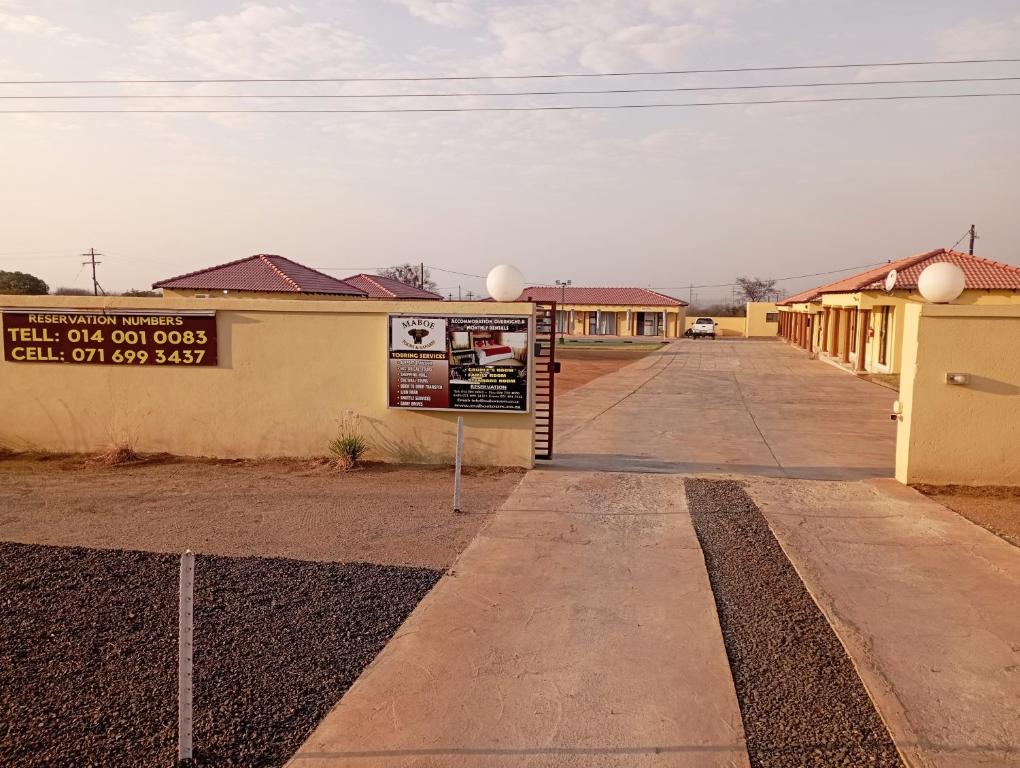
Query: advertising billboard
{"points": [[461, 363]]}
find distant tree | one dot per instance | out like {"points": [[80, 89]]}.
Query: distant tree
{"points": [[137, 293], [755, 289], [22, 283], [410, 274], [72, 292]]}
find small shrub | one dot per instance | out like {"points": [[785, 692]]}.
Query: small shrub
{"points": [[349, 445]]}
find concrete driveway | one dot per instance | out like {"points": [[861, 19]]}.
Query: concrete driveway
{"points": [[743, 407], [579, 628]]}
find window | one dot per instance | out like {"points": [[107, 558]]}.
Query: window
{"points": [[705, 321], [561, 321], [771, 317]]}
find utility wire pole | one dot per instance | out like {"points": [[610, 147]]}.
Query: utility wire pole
{"points": [[563, 303], [91, 255], [973, 237]]}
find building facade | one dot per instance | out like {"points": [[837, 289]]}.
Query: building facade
{"points": [[858, 321], [612, 311]]}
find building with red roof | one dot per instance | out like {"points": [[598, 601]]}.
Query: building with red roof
{"points": [[382, 287], [857, 321], [269, 276], [601, 311]]}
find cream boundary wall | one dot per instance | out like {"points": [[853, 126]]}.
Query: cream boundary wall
{"points": [[756, 324], [724, 326], [959, 434], [287, 372]]}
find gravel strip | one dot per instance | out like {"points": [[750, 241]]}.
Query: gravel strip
{"points": [[88, 652], [800, 697]]}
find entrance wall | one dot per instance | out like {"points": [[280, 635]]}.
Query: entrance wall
{"points": [[964, 433], [287, 372]]}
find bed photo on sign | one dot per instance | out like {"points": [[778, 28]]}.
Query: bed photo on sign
{"points": [[471, 349], [492, 347]]}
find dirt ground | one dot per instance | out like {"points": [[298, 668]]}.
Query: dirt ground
{"points": [[579, 366], [996, 508], [385, 514]]}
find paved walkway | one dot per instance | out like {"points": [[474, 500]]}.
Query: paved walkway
{"points": [[579, 628], [926, 603]]}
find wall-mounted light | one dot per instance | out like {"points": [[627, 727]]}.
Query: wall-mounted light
{"points": [[941, 282], [505, 283], [957, 378]]}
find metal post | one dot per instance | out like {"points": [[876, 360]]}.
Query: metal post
{"points": [[458, 463], [185, 647]]}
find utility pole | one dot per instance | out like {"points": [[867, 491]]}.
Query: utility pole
{"points": [[459, 297], [690, 294], [422, 286], [470, 295], [973, 237], [563, 303], [91, 255]]}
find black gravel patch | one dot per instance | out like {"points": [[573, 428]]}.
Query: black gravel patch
{"points": [[88, 652], [801, 700]]}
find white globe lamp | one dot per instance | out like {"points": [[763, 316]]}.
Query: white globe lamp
{"points": [[505, 282], [941, 282]]}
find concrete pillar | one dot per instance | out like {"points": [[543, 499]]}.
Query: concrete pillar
{"points": [[825, 330], [844, 356], [834, 340], [863, 315]]}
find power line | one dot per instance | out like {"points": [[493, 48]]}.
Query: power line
{"points": [[776, 279], [452, 272], [466, 94], [553, 108], [439, 78]]}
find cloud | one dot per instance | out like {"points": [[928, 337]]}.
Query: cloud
{"points": [[30, 25], [443, 13], [259, 40], [981, 38], [602, 34]]}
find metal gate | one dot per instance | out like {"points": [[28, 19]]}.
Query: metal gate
{"points": [[546, 368]]}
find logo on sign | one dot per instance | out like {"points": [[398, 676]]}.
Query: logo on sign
{"points": [[418, 334]]}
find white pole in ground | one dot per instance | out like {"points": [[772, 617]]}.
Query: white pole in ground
{"points": [[459, 462], [185, 646]]}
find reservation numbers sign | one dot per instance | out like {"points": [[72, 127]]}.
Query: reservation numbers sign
{"points": [[459, 363], [109, 338]]}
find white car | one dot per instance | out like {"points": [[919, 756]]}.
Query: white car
{"points": [[703, 326]]}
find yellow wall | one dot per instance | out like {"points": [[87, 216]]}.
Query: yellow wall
{"points": [[724, 326], [287, 371], [578, 323], [185, 293], [756, 324], [960, 434]]}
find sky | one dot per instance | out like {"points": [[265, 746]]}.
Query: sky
{"points": [[663, 198]]}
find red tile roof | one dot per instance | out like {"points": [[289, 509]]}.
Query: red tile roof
{"points": [[381, 287], [981, 275], [600, 296], [262, 272], [800, 298]]}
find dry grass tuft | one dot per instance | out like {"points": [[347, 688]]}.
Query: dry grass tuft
{"points": [[121, 454]]}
